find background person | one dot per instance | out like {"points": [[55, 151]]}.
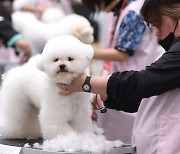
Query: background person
{"points": [[154, 92], [39, 6], [14, 49], [11, 38]]}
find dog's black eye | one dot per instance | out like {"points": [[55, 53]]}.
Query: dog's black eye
{"points": [[70, 59], [55, 60]]}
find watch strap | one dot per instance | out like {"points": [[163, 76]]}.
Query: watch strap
{"points": [[87, 82]]}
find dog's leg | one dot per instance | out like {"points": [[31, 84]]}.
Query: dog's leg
{"points": [[32, 125], [13, 116], [53, 123], [82, 121]]}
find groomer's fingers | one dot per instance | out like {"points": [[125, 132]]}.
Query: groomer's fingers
{"points": [[61, 85], [94, 115], [65, 92], [97, 101], [23, 57], [64, 89], [94, 106], [93, 102]]}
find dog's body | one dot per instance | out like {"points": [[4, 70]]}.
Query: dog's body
{"points": [[31, 102]]}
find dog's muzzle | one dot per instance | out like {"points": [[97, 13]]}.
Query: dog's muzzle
{"points": [[63, 68]]}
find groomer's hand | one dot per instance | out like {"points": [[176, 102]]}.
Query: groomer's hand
{"points": [[94, 115], [75, 86], [24, 56], [97, 102]]}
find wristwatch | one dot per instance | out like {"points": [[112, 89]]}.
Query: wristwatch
{"points": [[86, 86]]}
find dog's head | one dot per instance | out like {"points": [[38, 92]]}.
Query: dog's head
{"points": [[64, 58]]}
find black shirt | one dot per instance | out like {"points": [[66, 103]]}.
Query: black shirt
{"points": [[126, 89], [6, 31]]}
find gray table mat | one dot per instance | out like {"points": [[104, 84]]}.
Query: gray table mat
{"points": [[124, 149]]}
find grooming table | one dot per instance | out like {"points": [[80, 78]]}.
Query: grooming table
{"points": [[17, 147]]}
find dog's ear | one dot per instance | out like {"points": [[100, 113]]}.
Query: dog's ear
{"points": [[38, 61], [89, 52]]}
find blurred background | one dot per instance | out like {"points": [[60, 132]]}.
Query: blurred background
{"points": [[39, 20]]}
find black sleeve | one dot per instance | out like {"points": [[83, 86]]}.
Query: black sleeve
{"points": [[6, 31], [126, 89]]}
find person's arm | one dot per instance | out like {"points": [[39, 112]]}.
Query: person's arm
{"points": [[27, 5], [13, 39], [124, 90], [110, 54], [33, 9], [98, 85]]}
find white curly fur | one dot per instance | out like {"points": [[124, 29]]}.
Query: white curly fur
{"points": [[37, 32], [31, 103]]}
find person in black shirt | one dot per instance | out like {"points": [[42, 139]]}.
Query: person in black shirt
{"points": [[8, 35], [10, 38], [154, 92]]}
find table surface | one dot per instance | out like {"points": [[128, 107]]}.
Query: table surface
{"points": [[124, 149]]}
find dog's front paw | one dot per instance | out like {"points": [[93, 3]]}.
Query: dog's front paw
{"points": [[54, 131], [9, 133]]}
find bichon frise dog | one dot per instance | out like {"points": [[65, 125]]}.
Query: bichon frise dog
{"points": [[31, 103], [77, 26], [38, 33]]}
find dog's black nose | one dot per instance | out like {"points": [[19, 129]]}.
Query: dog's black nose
{"points": [[62, 66]]}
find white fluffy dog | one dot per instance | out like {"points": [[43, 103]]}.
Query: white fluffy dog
{"points": [[31, 102], [77, 26], [52, 15], [38, 32]]}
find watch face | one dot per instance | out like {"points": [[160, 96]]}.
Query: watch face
{"points": [[86, 87]]}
